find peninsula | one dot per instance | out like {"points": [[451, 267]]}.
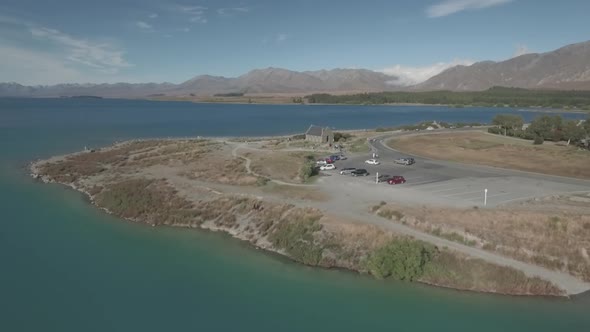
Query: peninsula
{"points": [[270, 193]]}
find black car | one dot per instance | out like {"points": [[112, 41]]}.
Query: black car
{"points": [[359, 172], [347, 170]]}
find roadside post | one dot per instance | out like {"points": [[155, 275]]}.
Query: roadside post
{"points": [[485, 197], [377, 177]]}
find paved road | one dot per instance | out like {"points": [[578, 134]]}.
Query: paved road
{"points": [[463, 185]]}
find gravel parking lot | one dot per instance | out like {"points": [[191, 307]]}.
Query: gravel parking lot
{"points": [[444, 183]]}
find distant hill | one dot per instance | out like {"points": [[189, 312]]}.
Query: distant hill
{"points": [[269, 80], [567, 68]]}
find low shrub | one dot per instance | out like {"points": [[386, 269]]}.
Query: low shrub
{"points": [[401, 259]]}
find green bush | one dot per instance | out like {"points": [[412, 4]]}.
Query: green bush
{"points": [[308, 169], [401, 259], [495, 130], [296, 237], [538, 140]]}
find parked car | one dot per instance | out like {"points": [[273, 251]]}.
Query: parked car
{"points": [[359, 172], [335, 157], [327, 167], [383, 178], [405, 161], [396, 180], [347, 170], [329, 160], [372, 162], [321, 162]]}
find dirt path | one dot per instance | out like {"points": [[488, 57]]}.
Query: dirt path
{"points": [[235, 153], [353, 204]]}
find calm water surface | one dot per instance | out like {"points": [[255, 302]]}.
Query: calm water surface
{"points": [[66, 266]]}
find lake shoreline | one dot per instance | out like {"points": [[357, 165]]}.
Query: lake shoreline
{"points": [[258, 241]]}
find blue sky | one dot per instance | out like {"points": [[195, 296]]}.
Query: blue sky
{"points": [[63, 41]]}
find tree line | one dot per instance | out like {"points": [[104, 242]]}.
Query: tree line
{"points": [[493, 97], [544, 127]]}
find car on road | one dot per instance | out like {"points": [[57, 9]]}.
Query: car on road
{"points": [[372, 162], [405, 161], [359, 172], [383, 178], [347, 170], [327, 167], [396, 180]]}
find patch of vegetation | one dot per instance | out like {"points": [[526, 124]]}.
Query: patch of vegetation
{"points": [[390, 214], [296, 237], [338, 137], [308, 168], [400, 259], [359, 146], [493, 97], [231, 94], [146, 200], [452, 270]]}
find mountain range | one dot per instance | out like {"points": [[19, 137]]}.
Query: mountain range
{"points": [[567, 68]]}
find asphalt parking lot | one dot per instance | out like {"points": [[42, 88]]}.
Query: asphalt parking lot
{"points": [[448, 183]]}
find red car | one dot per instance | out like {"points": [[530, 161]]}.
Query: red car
{"points": [[396, 180]]}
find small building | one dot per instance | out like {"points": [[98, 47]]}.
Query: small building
{"points": [[320, 135], [525, 126]]}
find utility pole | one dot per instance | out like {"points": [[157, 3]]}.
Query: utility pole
{"points": [[485, 197], [377, 177]]}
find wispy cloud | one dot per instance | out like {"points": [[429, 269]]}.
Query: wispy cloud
{"points": [[449, 7], [32, 67], [196, 14], [281, 37], [232, 11], [102, 56], [521, 49], [143, 25], [410, 75], [152, 16]]}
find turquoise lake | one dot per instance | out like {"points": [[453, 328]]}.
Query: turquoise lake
{"points": [[66, 266]]}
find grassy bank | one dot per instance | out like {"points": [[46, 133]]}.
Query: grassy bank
{"points": [[499, 151]]}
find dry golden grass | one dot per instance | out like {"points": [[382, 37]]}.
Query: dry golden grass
{"points": [[296, 192], [278, 165], [494, 150], [558, 238]]}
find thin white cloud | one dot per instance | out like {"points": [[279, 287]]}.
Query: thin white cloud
{"points": [[449, 7], [143, 25], [101, 56], [33, 68], [232, 11], [410, 75], [152, 16], [521, 49], [281, 37], [196, 14]]}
